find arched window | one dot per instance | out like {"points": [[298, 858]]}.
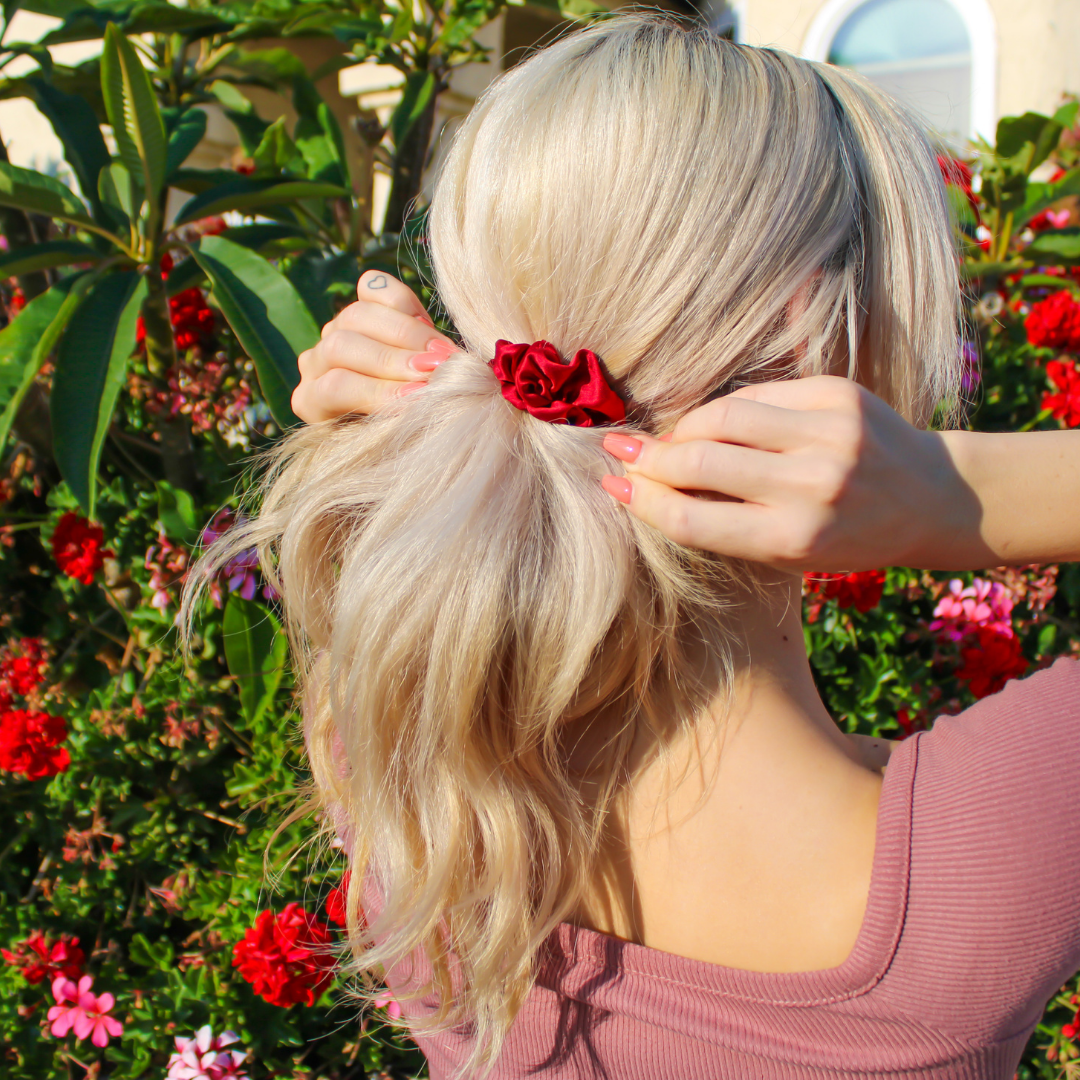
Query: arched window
{"points": [[937, 56]]}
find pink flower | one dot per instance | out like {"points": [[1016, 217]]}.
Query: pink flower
{"points": [[387, 1000], [961, 611], [204, 1057], [79, 1009]]}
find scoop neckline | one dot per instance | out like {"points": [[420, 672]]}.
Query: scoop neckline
{"points": [[576, 954]]}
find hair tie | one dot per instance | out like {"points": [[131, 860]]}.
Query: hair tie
{"points": [[535, 378]]}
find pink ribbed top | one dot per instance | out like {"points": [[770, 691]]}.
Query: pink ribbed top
{"points": [[972, 924]]}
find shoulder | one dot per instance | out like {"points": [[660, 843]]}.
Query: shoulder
{"points": [[995, 849], [1030, 724]]}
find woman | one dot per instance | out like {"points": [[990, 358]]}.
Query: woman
{"points": [[599, 820]]}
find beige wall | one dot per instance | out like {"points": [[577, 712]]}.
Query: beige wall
{"points": [[1038, 45]]}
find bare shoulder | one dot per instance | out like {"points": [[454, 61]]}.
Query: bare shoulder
{"points": [[874, 752]]}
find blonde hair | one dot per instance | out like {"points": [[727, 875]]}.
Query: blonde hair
{"points": [[458, 587]]}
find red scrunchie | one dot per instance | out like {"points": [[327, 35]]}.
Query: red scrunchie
{"points": [[535, 378]]}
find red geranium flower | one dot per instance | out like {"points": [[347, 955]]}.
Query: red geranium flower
{"points": [[990, 661], [1064, 405], [1054, 323], [335, 902], [41, 959], [24, 673], [286, 957], [76, 546], [30, 743], [861, 590], [958, 174]]}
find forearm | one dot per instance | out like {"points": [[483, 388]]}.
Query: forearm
{"points": [[1017, 501]]}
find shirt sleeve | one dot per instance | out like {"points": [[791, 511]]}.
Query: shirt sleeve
{"points": [[993, 915]]}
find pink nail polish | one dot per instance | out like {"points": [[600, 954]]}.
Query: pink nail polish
{"points": [[426, 361], [618, 486], [441, 347], [426, 318], [667, 437], [408, 388], [623, 447]]}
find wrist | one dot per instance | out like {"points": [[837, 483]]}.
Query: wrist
{"points": [[949, 509]]}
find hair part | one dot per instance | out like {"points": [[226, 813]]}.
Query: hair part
{"points": [[458, 589]]}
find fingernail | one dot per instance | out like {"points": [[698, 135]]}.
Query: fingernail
{"points": [[618, 486], [426, 318], [666, 438], [426, 361], [622, 446], [441, 347], [408, 388]]}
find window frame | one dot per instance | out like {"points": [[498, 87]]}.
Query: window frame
{"points": [[979, 22]]}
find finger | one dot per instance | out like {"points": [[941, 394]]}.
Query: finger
{"points": [[705, 465], [738, 530], [340, 391], [368, 356], [386, 325], [751, 423], [811, 392], [379, 287]]}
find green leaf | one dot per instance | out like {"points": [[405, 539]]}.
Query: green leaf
{"points": [[91, 368], [76, 127], [188, 133], [1048, 281], [176, 512], [133, 113], [317, 135], [315, 278], [28, 339], [120, 193], [260, 234], [37, 193], [277, 152], [46, 256], [245, 193], [415, 97], [255, 650], [1066, 115], [1029, 138], [1040, 196], [199, 180], [1064, 243], [267, 315], [240, 111]]}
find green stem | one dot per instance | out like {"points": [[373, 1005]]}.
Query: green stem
{"points": [[1043, 415]]}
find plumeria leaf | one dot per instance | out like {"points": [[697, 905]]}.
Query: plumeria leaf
{"points": [[36, 193], [91, 368], [133, 112], [76, 127], [184, 137], [415, 97], [265, 312], [27, 340], [244, 193], [255, 650], [46, 256]]}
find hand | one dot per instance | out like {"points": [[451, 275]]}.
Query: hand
{"points": [[376, 349], [804, 474]]}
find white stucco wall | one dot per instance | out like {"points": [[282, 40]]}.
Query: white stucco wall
{"points": [[1037, 45]]}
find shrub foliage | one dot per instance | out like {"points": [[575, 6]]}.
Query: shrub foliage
{"points": [[140, 791]]}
